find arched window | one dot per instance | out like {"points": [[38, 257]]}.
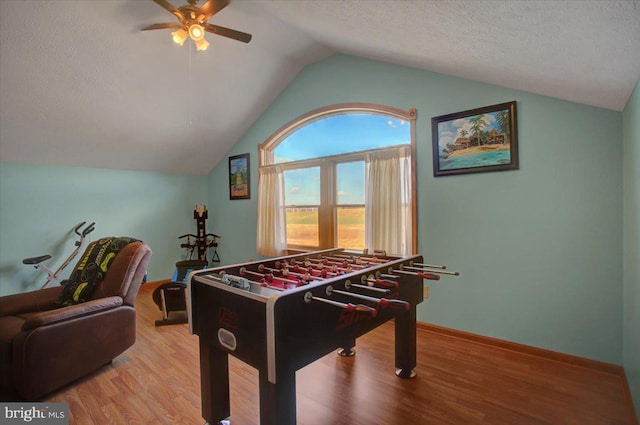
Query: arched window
{"points": [[339, 176]]}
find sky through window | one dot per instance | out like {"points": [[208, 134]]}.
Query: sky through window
{"points": [[340, 134]]}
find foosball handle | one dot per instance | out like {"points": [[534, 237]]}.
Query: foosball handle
{"points": [[386, 283], [361, 308], [429, 276], [395, 304]]}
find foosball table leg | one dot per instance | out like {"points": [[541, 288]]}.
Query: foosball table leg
{"points": [[348, 349], [214, 382], [405, 332], [278, 401]]}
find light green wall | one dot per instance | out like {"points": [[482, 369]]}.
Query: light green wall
{"points": [[40, 205], [631, 226], [234, 220], [539, 249]]}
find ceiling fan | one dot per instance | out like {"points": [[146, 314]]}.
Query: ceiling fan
{"points": [[193, 22]]}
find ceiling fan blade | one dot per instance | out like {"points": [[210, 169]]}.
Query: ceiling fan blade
{"points": [[171, 8], [211, 7], [162, 26], [227, 32]]}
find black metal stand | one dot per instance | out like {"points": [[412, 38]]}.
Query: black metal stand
{"points": [[171, 297]]}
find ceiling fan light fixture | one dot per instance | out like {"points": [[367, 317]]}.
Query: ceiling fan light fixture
{"points": [[192, 22], [202, 44], [196, 32], [179, 36]]}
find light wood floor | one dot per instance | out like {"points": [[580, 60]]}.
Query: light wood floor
{"points": [[459, 382]]}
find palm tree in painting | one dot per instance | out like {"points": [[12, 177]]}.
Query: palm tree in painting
{"points": [[478, 124], [503, 124]]}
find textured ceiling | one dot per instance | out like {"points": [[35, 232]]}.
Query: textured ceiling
{"points": [[81, 85]]}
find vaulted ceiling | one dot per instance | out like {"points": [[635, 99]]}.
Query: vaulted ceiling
{"points": [[81, 85]]}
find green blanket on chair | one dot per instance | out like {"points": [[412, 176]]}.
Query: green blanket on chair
{"points": [[91, 269]]}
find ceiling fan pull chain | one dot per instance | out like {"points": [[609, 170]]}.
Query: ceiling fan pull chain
{"points": [[190, 87]]}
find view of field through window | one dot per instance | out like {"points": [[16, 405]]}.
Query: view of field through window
{"points": [[302, 227], [350, 228]]}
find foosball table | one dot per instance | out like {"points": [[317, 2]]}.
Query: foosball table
{"points": [[281, 314]]}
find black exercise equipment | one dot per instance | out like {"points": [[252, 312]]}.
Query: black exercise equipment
{"points": [[170, 297], [202, 240]]}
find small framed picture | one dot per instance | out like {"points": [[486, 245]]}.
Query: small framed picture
{"points": [[239, 179], [475, 141]]}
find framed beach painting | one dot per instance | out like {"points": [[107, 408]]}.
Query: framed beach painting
{"points": [[475, 141], [239, 181]]}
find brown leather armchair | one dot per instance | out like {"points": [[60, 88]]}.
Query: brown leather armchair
{"points": [[44, 347]]}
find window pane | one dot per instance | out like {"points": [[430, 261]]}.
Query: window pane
{"points": [[350, 228], [302, 226], [302, 186], [340, 134], [350, 183], [302, 190]]}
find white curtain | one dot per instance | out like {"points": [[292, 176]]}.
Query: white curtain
{"points": [[388, 201], [272, 230]]}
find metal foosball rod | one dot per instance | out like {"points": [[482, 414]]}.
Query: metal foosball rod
{"points": [[291, 281], [316, 263], [266, 281], [339, 270], [358, 259], [348, 285], [423, 269], [295, 270], [326, 273], [313, 263], [337, 266], [262, 267], [343, 262], [286, 270], [243, 271], [298, 266], [423, 275], [322, 272], [308, 267], [372, 260], [299, 263], [324, 260], [333, 266], [382, 302], [358, 308], [304, 277], [428, 266], [313, 260]]}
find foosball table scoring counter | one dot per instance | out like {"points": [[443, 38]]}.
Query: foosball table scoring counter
{"points": [[281, 314]]}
